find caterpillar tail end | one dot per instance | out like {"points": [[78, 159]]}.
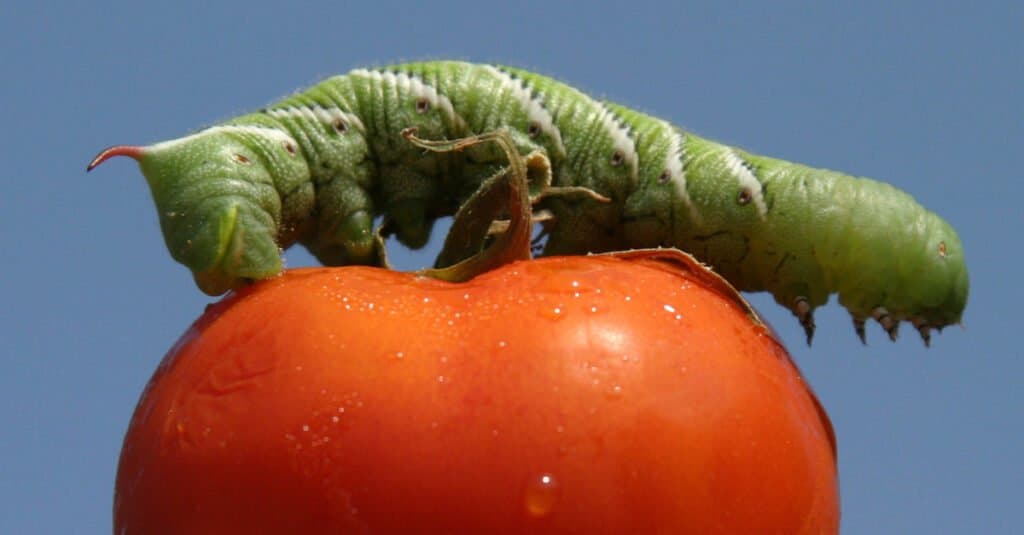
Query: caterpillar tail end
{"points": [[130, 151]]}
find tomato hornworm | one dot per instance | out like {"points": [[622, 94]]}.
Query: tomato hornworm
{"points": [[318, 167]]}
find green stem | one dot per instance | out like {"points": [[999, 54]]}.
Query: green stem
{"points": [[505, 193]]}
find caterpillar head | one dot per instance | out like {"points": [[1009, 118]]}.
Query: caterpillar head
{"points": [[220, 212]]}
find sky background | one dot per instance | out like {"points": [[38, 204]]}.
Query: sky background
{"points": [[925, 95]]}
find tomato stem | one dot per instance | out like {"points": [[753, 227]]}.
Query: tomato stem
{"points": [[472, 247]]}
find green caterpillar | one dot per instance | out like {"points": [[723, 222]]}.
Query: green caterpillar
{"points": [[319, 166]]}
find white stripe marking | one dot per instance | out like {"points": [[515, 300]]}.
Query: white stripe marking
{"points": [[620, 139], [266, 132], [746, 179], [319, 114], [674, 165], [535, 111], [404, 82]]}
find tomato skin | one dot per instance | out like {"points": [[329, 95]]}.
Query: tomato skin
{"points": [[576, 394]]}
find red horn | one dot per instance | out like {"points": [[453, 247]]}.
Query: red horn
{"points": [[117, 150]]}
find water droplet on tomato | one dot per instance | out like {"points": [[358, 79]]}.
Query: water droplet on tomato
{"points": [[556, 312], [541, 495]]}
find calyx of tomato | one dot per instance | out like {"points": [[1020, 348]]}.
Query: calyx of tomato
{"points": [[467, 250], [495, 225]]}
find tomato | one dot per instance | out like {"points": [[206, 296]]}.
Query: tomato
{"points": [[577, 394]]}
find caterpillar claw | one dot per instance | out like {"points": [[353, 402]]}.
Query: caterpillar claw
{"points": [[858, 326], [926, 336], [924, 330], [803, 311], [894, 332], [890, 324]]}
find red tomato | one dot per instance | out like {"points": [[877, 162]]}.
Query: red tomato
{"points": [[577, 394]]}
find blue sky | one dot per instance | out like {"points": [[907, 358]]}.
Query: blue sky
{"points": [[925, 95]]}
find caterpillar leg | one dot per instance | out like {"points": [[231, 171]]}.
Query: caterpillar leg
{"points": [[345, 226], [805, 313], [801, 299], [576, 221], [409, 197], [795, 284], [890, 324], [924, 329], [858, 326]]}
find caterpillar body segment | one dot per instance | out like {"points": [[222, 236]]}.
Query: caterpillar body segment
{"points": [[319, 166]]}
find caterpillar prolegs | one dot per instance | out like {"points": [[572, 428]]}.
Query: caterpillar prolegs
{"points": [[318, 167]]}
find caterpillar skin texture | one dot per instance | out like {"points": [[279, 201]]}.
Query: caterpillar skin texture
{"points": [[319, 166]]}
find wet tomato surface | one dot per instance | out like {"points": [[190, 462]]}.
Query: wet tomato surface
{"points": [[578, 394]]}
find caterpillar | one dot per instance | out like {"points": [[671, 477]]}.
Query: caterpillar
{"points": [[318, 167]]}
